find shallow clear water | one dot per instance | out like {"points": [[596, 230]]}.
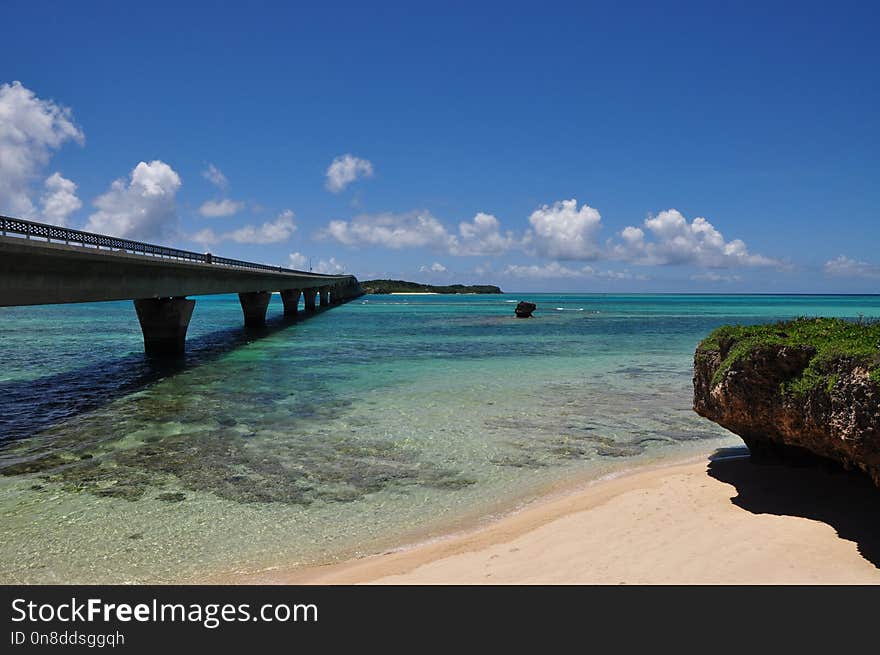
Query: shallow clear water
{"points": [[386, 420]]}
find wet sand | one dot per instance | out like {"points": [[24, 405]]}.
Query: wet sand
{"points": [[719, 520]]}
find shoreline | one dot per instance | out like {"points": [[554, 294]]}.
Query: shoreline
{"points": [[673, 523]]}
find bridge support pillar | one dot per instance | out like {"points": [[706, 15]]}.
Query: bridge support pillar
{"points": [[164, 322], [325, 296], [254, 305], [349, 291], [309, 299], [290, 298]]}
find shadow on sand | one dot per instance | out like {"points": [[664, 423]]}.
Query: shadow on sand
{"points": [[814, 489], [30, 406]]}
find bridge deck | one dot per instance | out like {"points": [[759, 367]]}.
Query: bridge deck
{"points": [[39, 266], [36, 272]]}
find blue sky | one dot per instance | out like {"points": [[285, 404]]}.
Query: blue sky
{"points": [[542, 146]]}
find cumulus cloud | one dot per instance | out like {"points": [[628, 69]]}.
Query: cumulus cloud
{"points": [[330, 266], [270, 232], [206, 237], [844, 266], [273, 231], [395, 231], [345, 169], [420, 229], [216, 177], [142, 207], [298, 261], [712, 276], [561, 231], [556, 270], [436, 267], [31, 130], [564, 231], [482, 236], [483, 269], [59, 199], [617, 275], [218, 208], [675, 241], [224, 206], [551, 270]]}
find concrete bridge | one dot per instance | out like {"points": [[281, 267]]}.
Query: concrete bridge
{"points": [[44, 264]]}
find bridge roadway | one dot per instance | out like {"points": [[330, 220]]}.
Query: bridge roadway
{"points": [[44, 264]]}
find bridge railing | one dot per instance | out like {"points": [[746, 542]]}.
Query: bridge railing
{"points": [[68, 236]]}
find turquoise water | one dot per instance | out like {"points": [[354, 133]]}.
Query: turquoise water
{"points": [[381, 422]]}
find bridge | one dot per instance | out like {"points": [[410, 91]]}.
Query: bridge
{"points": [[44, 264]]}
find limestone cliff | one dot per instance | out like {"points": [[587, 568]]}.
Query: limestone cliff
{"points": [[807, 385]]}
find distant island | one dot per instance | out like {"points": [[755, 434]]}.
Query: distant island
{"points": [[400, 286]]}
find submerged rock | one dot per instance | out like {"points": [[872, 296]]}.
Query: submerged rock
{"points": [[803, 387], [172, 497], [524, 309]]}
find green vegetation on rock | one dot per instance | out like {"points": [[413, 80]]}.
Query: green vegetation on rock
{"points": [[400, 286], [829, 342]]}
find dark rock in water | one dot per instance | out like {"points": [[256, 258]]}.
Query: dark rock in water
{"points": [[36, 465], [809, 390], [524, 309], [172, 497]]}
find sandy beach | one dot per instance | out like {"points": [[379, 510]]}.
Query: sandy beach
{"points": [[721, 520]]}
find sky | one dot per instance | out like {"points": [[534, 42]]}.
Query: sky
{"points": [[601, 147]]}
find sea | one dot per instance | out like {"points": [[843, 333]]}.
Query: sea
{"points": [[385, 422]]}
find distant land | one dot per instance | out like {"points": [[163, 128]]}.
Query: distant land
{"points": [[400, 286]]}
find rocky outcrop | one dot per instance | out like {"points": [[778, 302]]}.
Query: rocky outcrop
{"points": [[808, 386], [524, 309]]}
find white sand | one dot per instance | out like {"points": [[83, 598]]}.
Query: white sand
{"points": [[667, 525]]}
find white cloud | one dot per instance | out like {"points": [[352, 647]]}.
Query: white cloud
{"points": [[143, 207], [556, 270], [274, 231], [419, 229], [206, 237], [216, 177], [270, 232], [31, 129], [224, 206], [712, 276], [218, 208], [844, 266], [395, 231], [675, 241], [330, 266], [551, 270], [563, 231], [298, 261], [483, 269], [618, 275], [59, 199], [482, 236], [436, 267], [345, 169]]}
